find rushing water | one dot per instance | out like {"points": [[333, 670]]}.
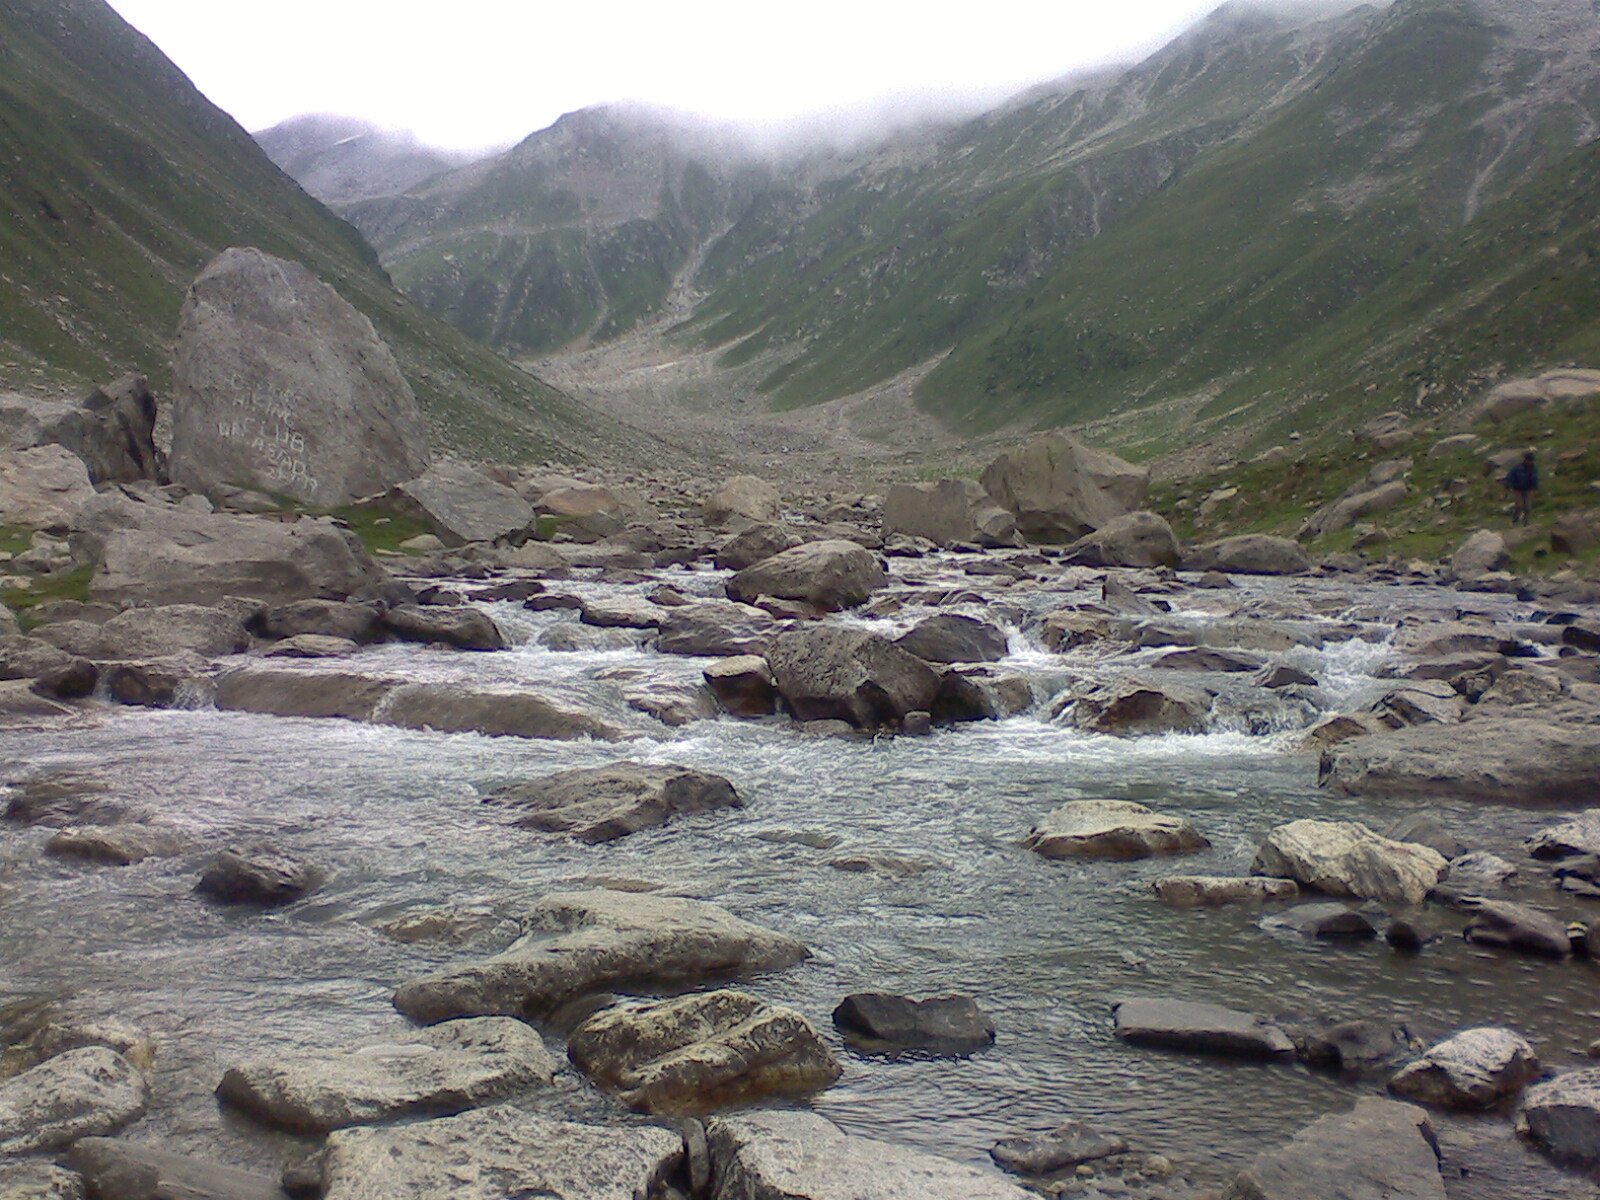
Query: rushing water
{"points": [[955, 904]]}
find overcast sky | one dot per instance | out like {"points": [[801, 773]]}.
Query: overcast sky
{"points": [[474, 73]]}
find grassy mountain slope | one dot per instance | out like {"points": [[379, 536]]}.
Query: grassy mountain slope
{"points": [[119, 181]]}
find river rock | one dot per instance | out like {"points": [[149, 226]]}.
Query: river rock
{"points": [[622, 612], [447, 1068], [462, 505], [1515, 926], [1380, 1150], [1571, 839], [879, 1021], [39, 1181], [1059, 489], [311, 645], [832, 672], [601, 804], [743, 686], [323, 618], [280, 384], [282, 693], [165, 554], [828, 575], [130, 1170], [1137, 539], [42, 488], [1419, 702], [1563, 1116], [1425, 829], [1250, 554], [980, 693], [1114, 829], [448, 708], [801, 1156], [1068, 629], [1345, 858], [263, 877], [952, 638], [577, 943], [698, 1053], [1205, 658], [81, 1093], [171, 629], [743, 497], [1047, 1153], [1211, 891], [1206, 1028], [1323, 921], [591, 513], [947, 512], [463, 627], [715, 629], [1514, 760], [496, 1153], [116, 846], [1131, 707], [755, 544], [1356, 1049], [35, 658], [1475, 1069], [1482, 553]]}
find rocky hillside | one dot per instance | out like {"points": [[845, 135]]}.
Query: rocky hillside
{"points": [[1284, 218], [340, 160], [119, 181]]}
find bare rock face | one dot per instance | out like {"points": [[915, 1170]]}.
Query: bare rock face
{"points": [[698, 1053], [1060, 489], [42, 488], [946, 512], [601, 804], [82, 1093], [495, 1153], [582, 942], [279, 384], [1475, 1069], [448, 1068], [1345, 858], [1380, 1150], [1112, 829]]}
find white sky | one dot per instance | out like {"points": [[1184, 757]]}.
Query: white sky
{"points": [[474, 73]]}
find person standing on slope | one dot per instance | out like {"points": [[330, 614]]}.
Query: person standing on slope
{"points": [[1522, 481]]}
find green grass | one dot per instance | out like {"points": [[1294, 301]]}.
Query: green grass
{"points": [[63, 585], [381, 528]]}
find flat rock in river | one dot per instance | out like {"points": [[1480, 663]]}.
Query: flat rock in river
{"points": [[1116, 829], [1197, 1026], [1563, 1116], [601, 804], [1211, 891], [81, 1093], [1345, 858], [1060, 1148], [496, 1153], [1380, 1150], [582, 942], [447, 1068]]}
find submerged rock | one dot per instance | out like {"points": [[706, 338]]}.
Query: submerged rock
{"points": [[1197, 1026], [1344, 858], [1475, 1069], [264, 877], [940, 1024], [1063, 1147], [698, 1053], [601, 804], [132, 1170], [1116, 829], [1380, 1150], [1210, 891]]}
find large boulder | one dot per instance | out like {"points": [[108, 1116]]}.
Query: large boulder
{"points": [[1114, 829], [1563, 1116], [698, 1053], [587, 513], [112, 430], [827, 575], [1513, 926], [1250, 554], [743, 685], [742, 498], [1361, 501], [1345, 858], [448, 1068], [1517, 760], [1513, 396], [946, 512], [601, 804], [1059, 489], [280, 384], [715, 628], [264, 877], [171, 629], [953, 638], [577, 943], [831, 672], [462, 505], [42, 488], [1380, 1150], [1199, 1027], [166, 554], [323, 618], [755, 544], [461, 626], [448, 708], [1133, 706], [1137, 539], [801, 1156], [81, 1093], [496, 1153], [1475, 1069], [1482, 553]]}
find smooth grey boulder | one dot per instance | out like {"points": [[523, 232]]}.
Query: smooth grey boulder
{"points": [[112, 429], [1515, 760], [1197, 1026], [1563, 1116], [150, 553], [1483, 553], [448, 708], [168, 629], [588, 514], [1060, 1148], [743, 497], [444, 1069], [1060, 489], [1211, 891], [1425, 829], [702, 1052], [1475, 1069], [281, 385], [132, 1170], [81, 1093], [755, 544], [1112, 829], [801, 1156], [1133, 707], [601, 804], [359, 623], [284, 693], [946, 1025], [462, 505], [40, 1181], [1345, 858], [496, 1153], [828, 575], [44, 487], [576, 943], [1249, 554], [1380, 1150], [1323, 921], [743, 686], [1205, 658], [947, 512], [953, 638], [622, 612], [1136, 539], [463, 627], [262, 877], [1513, 926], [1360, 501], [716, 629], [833, 672]]}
